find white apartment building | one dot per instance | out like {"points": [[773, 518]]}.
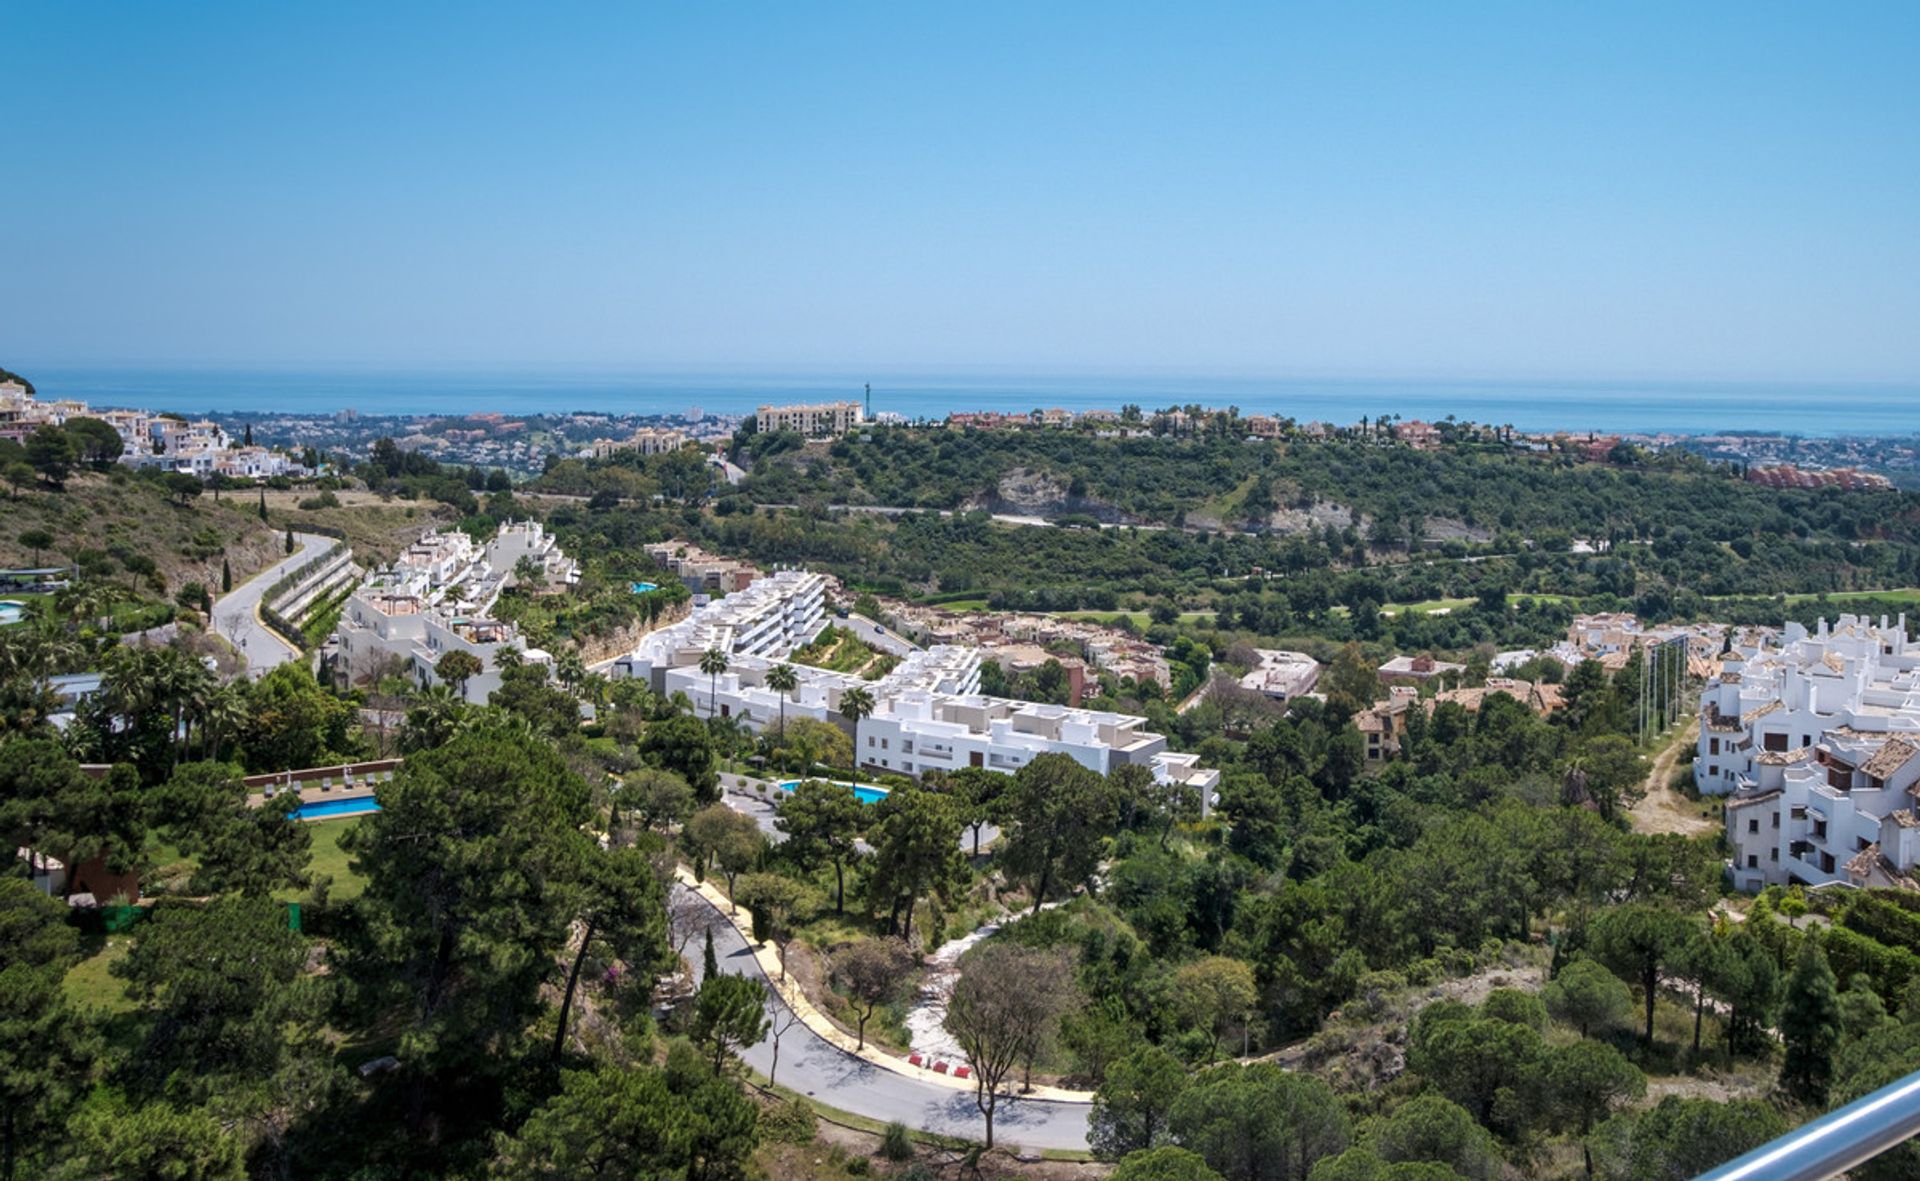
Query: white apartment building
{"points": [[437, 597], [814, 420], [928, 711], [1817, 744]]}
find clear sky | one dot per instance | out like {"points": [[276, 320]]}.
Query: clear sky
{"points": [[1697, 190]]}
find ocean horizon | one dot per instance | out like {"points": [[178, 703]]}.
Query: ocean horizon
{"points": [[1643, 407]]}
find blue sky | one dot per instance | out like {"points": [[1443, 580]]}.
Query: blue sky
{"points": [[1458, 189]]}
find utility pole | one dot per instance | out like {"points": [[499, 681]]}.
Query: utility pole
{"points": [[869, 401]]}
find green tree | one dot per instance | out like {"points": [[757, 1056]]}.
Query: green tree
{"points": [[46, 1047], [1616, 773], [916, 842], [1639, 941], [728, 1014], [855, 704], [1585, 1081], [623, 915], [659, 798], [1216, 995], [238, 848], [779, 904], [1430, 1128], [36, 540], [226, 576], [456, 667], [1682, 1138], [625, 1124], [467, 903], [1864, 1065], [713, 662], [95, 442], [1489, 1067], [823, 821], [152, 1142], [783, 680], [295, 722], [1164, 1164], [1259, 1122], [51, 453], [1060, 814], [1131, 1106], [1810, 1027], [1587, 996], [873, 972], [229, 996], [682, 745]]}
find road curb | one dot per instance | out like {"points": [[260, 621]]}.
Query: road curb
{"points": [[825, 1029]]}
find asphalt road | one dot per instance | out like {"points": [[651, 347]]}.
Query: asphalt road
{"points": [[235, 614], [817, 1068]]}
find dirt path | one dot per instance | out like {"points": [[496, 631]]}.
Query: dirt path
{"points": [[1664, 809]]}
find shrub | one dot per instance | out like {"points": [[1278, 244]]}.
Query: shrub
{"points": [[896, 1144], [792, 1122], [858, 1166]]}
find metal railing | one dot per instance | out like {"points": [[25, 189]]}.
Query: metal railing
{"points": [[1836, 1141]]}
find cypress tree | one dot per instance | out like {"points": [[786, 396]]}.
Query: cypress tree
{"points": [[226, 576], [289, 541], [263, 504], [709, 963], [1810, 1025]]}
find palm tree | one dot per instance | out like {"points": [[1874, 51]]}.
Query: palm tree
{"points": [[433, 719], [783, 680], [713, 662], [225, 713], [570, 668], [855, 704]]}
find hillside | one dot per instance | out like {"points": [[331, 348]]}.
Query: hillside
{"points": [[116, 525]]}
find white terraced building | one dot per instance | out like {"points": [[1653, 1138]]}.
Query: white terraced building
{"points": [[1817, 743], [437, 597], [928, 711]]}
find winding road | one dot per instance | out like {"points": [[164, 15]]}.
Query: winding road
{"points": [[820, 1070], [236, 614]]}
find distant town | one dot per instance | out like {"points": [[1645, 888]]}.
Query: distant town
{"points": [[263, 444]]}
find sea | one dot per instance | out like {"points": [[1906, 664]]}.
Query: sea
{"points": [[1649, 407]]}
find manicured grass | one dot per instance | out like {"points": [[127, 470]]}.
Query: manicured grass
{"points": [[91, 985], [1141, 619], [1903, 596], [1427, 606], [330, 859]]}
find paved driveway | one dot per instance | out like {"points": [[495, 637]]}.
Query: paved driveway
{"points": [[235, 614], [817, 1068]]}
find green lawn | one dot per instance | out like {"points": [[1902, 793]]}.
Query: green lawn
{"points": [[330, 859], [1141, 619], [91, 986], [1903, 596], [1427, 606]]}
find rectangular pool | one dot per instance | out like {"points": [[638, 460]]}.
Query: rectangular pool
{"points": [[333, 809], [866, 793]]}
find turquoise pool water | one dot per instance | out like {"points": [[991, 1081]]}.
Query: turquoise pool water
{"points": [[867, 795], [328, 809], [641, 588]]}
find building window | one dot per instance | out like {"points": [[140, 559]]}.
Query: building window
{"points": [[1774, 742], [1713, 746], [1776, 820], [1773, 854], [1753, 861], [1713, 769], [1753, 824]]}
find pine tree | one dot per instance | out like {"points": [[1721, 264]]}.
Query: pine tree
{"points": [[709, 963], [1810, 1025], [226, 576]]}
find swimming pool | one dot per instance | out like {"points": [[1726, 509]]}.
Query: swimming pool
{"points": [[641, 588], [866, 793], [332, 809]]}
